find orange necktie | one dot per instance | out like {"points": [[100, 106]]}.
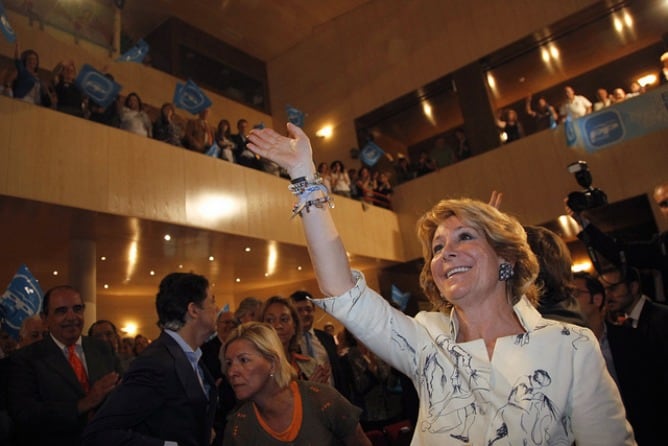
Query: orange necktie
{"points": [[78, 367]]}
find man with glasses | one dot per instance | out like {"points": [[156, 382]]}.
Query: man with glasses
{"points": [[55, 384], [650, 254], [637, 330]]}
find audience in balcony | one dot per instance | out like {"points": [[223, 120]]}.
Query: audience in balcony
{"points": [[402, 169], [199, 135], [27, 84], [604, 99], [545, 116], [575, 105], [635, 90], [618, 95], [165, 128], [323, 171], [241, 153], [463, 148], [223, 139], [109, 115], [425, 165], [133, 117], [510, 125], [69, 98], [340, 179]]}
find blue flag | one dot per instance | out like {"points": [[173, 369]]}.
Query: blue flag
{"points": [[213, 151], [400, 298], [371, 153], [295, 116], [5, 27], [190, 97], [21, 300], [135, 54], [98, 87]]}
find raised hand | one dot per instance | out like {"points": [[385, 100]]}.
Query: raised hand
{"points": [[292, 152]]}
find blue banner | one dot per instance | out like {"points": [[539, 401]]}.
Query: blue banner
{"points": [[22, 299], [635, 117], [98, 87], [135, 54], [400, 298], [371, 153], [295, 116], [5, 27], [190, 97]]}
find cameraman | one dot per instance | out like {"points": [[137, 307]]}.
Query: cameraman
{"points": [[651, 254]]}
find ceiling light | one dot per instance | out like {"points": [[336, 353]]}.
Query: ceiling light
{"points": [[648, 79], [130, 329], [266, 274], [325, 132], [167, 237], [103, 258], [545, 54], [55, 273], [211, 258], [247, 249], [237, 280], [299, 268], [152, 273], [581, 266], [491, 81], [619, 26], [106, 286], [554, 51], [628, 20], [180, 266]]}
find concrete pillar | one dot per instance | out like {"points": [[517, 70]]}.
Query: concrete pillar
{"points": [[83, 276]]}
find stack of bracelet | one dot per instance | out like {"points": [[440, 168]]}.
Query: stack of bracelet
{"points": [[304, 189]]}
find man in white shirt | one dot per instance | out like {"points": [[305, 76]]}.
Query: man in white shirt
{"points": [[575, 106]]}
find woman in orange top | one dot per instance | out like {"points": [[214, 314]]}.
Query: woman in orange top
{"points": [[277, 408]]}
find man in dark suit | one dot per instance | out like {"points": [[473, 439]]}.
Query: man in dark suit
{"points": [[225, 323], [637, 330], [166, 397], [319, 344], [55, 384]]}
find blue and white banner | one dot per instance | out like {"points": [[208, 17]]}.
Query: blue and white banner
{"points": [[295, 116], [213, 151], [135, 54], [5, 27], [635, 117], [98, 87], [21, 300], [371, 153], [190, 97], [400, 298]]}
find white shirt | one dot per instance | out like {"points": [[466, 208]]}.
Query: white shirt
{"points": [[547, 386], [78, 349], [575, 109]]}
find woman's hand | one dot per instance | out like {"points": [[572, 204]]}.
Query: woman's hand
{"points": [[293, 152]]}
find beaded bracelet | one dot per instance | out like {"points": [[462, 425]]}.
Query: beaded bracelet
{"points": [[300, 185], [319, 203]]}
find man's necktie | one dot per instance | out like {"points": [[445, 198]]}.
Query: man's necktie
{"points": [[309, 344], [78, 367]]}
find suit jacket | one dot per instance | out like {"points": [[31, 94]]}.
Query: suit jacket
{"points": [[160, 399], [342, 381], [226, 398], [640, 356], [44, 391]]}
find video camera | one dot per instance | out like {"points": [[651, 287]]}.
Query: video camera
{"points": [[590, 197]]}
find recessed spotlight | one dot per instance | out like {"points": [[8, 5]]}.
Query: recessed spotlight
{"points": [[266, 274], [247, 249], [152, 273], [106, 286], [299, 268], [55, 273], [103, 258], [237, 280], [167, 237], [211, 259], [180, 266]]}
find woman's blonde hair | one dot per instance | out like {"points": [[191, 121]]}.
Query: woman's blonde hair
{"points": [[504, 234], [266, 341], [293, 345]]}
